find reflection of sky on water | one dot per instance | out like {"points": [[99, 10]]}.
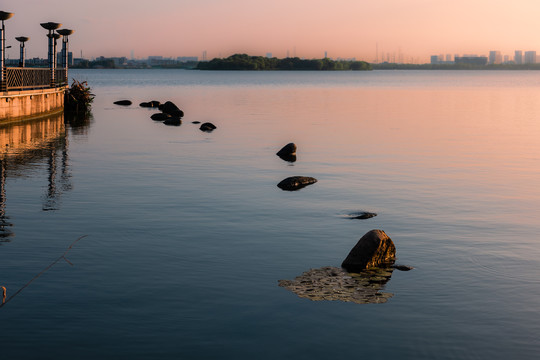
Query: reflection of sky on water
{"points": [[194, 222]]}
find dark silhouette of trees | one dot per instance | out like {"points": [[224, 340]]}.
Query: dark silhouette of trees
{"points": [[246, 62]]}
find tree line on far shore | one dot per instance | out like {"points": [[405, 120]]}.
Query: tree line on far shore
{"points": [[246, 62]]}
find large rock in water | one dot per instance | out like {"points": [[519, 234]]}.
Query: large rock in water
{"points": [[207, 127], [374, 249], [288, 152], [123, 102], [296, 182], [173, 121], [160, 116], [171, 109], [150, 104], [288, 149]]}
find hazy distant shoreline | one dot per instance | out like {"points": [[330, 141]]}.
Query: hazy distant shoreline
{"points": [[246, 62], [385, 66], [392, 66]]}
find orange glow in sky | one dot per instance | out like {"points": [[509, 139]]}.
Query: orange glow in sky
{"points": [[415, 29]]}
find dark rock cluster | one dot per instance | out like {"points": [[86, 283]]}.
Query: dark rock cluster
{"points": [[293, 183], [365, 270], [170, 113]]}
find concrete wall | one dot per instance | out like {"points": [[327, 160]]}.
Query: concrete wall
{"points": [[15, 105]]}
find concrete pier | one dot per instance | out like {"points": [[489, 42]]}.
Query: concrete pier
{"points": [[27, 93], [16, 105]]}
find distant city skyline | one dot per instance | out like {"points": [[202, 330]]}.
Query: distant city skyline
{"points": [[409, 31]]}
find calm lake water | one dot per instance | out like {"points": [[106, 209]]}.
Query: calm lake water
{"points": [[188, 234]]}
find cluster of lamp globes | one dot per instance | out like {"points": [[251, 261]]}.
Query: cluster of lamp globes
{"points": [[51, 26]]}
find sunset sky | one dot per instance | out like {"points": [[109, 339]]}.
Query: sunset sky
{"points": [[306, 28]]}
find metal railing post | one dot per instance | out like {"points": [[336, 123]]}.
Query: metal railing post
{"points": [[3, 16]]}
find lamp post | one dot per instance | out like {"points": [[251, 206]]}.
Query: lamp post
{"points": [[51, 26], [65, 34], [22, 40], [54, 37], [3, 16]]}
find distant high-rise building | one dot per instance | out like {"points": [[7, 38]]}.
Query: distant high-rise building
{"points": [[269, 55], [326, 54], [518, 57], [529, 57], [448, 58], [132, 55], [59, 59], [434, 59], [204, 55], [506, 59], [495, 57]]}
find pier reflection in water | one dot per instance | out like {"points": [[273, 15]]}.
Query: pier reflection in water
{"points": [[27, 143]]}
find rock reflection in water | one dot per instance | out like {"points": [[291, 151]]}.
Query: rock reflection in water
{"points": [[331, 283], [29, 143]]}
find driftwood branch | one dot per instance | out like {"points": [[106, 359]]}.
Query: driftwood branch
{"points": [[63, 256]]}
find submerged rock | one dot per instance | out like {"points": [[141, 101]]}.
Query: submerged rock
{"points": [[173, 121], [123, 102], [402, 267], [296, 183], [334, 284], [160, 116], [195, 122], [288, 152], [208, 127], [362, 215], [374, 249], [146, 104], [171, 109]]}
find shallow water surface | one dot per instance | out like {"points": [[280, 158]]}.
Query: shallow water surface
{"points": [[188, 233]]}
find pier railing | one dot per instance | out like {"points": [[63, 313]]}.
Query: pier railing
{"points": [[32, 78]]}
